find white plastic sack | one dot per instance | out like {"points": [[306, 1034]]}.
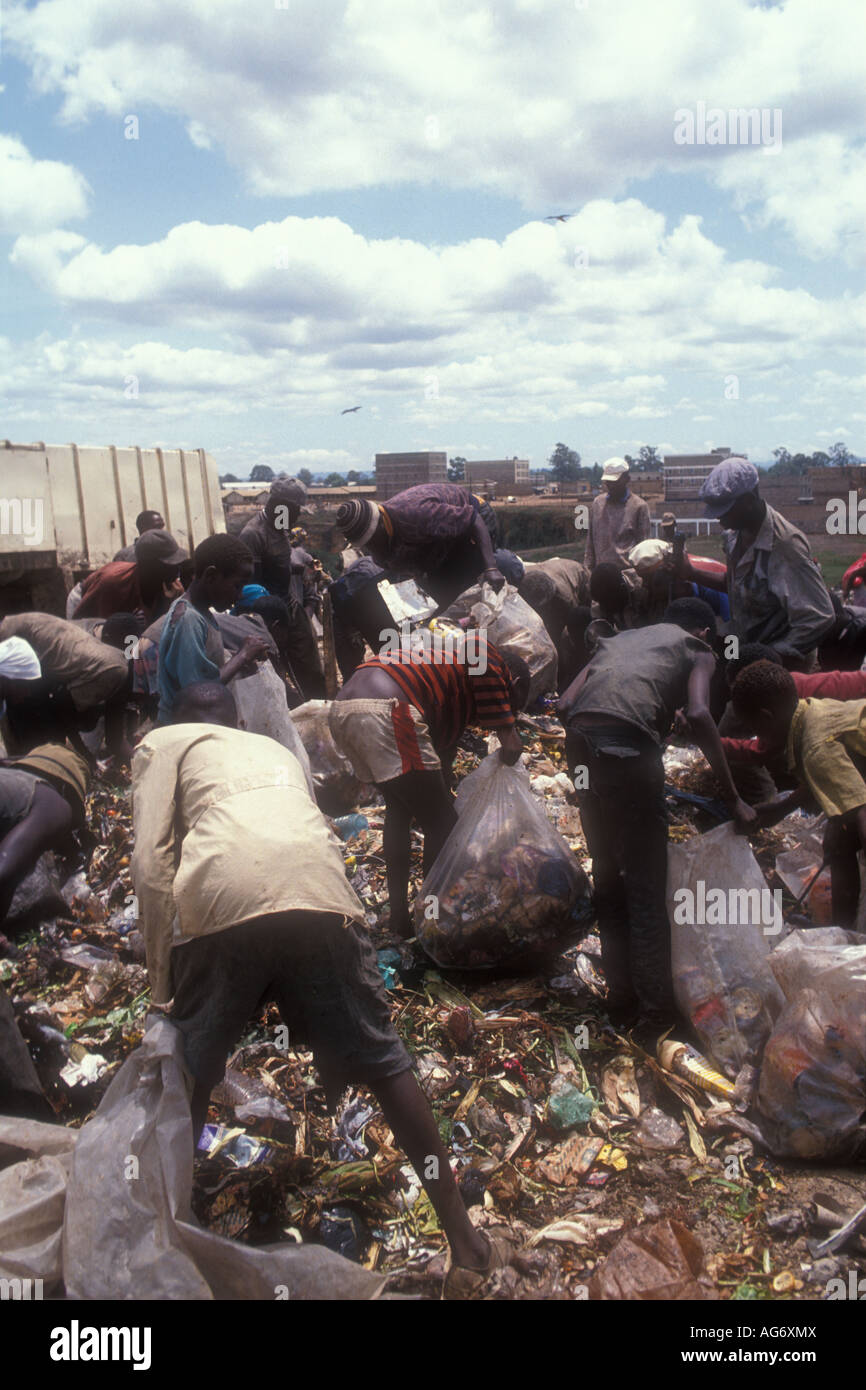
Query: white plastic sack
{"points": [[337, 789], [720, 945], [812, 1090], [505, 883], [35, 1160], [262, 709], [128, 1231], [513, 627]]}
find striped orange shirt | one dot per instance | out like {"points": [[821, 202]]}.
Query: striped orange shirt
{"points": [[451, 694]]}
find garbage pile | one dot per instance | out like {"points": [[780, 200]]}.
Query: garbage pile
{"points": [[622, 1171]]}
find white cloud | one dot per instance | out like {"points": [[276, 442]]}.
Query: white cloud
{"points": [[307, 314], [37, 193], [516, 97], [814, 190]]}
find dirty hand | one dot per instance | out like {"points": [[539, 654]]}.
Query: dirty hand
{"points": [[494, 577], [512, 746], [254, 649], [746, 817], [682, 728]]}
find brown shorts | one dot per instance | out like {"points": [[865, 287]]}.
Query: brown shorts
{"points": [[322, 976], [382, 739]]}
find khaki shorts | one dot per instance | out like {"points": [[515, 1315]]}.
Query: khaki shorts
{"points": [[382, 739]]}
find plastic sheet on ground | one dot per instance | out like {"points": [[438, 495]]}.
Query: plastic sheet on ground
{"points": [[35, 1160], [128, 1231], [505, 883], [722, 978], [812, 1088], [103, 1213]]}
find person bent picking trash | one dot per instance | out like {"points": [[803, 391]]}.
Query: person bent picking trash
{"points": [[398, 720], [617, 714], [824, 744], [244, 899]]}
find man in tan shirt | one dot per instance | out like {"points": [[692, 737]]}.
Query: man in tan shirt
{"points": [[244, 898], [618, 520]]}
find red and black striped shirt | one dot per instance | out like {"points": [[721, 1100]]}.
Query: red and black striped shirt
{"points": [[451, 694]]}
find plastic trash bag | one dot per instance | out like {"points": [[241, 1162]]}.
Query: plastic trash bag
{"points": [[513, 628], [337, 789], [798, 866], [128, 1232], [262, 709], [37, 898], [505, 883], [722, 978], [812, 1090], [35, 1160]]}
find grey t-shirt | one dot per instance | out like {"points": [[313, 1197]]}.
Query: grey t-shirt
{"points": [[640, 677]]}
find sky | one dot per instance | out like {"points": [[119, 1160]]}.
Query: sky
{"points": [[223, 222]]}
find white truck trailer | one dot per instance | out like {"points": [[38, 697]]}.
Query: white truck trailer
{"points": [[65, 510]]}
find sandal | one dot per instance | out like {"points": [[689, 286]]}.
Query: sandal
{"points": [[462, 1283]]}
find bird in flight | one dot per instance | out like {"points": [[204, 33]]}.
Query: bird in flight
{"points": [[559, 217], [350, 410]]}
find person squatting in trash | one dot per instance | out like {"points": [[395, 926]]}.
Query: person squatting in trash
{"points": [[244, 899], [398, 720], [617, 714], [823, 743]]}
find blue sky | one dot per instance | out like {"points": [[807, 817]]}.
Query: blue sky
{"points": [[342, 202]]}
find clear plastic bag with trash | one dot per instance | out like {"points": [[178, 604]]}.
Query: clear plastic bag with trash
{"points": [[513, 628], [337, 789], [505, 885], [262, 709], [798, 867], [724, 922], [811, 1099]]}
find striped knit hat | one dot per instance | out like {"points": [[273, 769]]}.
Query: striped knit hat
{"points": [[358, 519]]}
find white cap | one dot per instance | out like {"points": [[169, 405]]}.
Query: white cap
{"points": [[648, 555], [18, 660], [613, 469]]}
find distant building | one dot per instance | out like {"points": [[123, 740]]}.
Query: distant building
{"points": [[684, 474], [501, 475], [396, 472]]}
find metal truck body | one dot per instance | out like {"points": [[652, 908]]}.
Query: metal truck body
{"points": [[65, 510]]}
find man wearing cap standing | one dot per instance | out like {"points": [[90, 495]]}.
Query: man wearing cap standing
{"points": [[145, 585], [776, 593], [280, 567], [618, 520], [436, 533]]}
